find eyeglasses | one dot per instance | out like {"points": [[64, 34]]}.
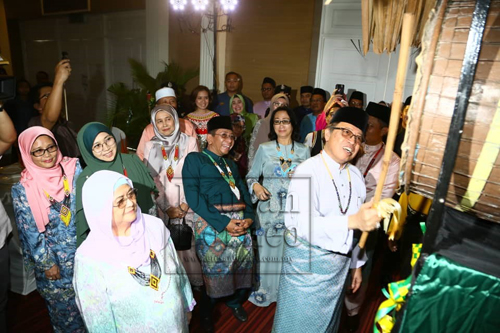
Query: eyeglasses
{"points": [[225, 136], [278, 104], [40, 152], [348, 134], [356, 104], [233, 80], [122, 202], [242, 127], [109, 141], [284, 122], [266, 89]]}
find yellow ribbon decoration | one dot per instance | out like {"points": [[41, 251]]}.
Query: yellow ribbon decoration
{"points": [[396, 296]]}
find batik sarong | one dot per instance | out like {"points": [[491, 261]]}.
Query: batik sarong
{"points": [[226, 261], [311, 288]]}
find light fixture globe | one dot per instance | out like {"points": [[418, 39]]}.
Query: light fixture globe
{"points": [[199, 4], [229, 5], [178, 4]]}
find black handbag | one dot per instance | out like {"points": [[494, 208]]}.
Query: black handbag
{"points": [[181, 235]]}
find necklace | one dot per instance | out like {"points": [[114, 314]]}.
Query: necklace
{"points": [[170, 169], [229, 178], [342, 211], [63, 207], [286, 165], [151, 280], [372, 161]]}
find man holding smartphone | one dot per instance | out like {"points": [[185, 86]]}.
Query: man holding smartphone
{"points": [[48, 100]]}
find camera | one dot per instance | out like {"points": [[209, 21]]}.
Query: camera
{"points": [[7, 87]]}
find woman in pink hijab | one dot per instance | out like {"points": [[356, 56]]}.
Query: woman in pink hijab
{"points": [[44, 207]]}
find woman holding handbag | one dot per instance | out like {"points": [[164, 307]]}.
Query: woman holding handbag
{"points": [[164, 157]]}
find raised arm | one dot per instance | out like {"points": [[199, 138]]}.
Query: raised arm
{"points": [[52, 109]]}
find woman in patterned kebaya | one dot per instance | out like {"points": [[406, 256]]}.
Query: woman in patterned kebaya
{"points": [[44, 207], [275, 161], [164, 157], [200, 99]]}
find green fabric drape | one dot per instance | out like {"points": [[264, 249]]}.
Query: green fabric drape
{"points": [[136, 171], [448, 297]]}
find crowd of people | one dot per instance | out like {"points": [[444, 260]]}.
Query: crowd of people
{"points": [[274, 199]]}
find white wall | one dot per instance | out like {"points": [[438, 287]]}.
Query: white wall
{"points": [[98, 49], [339, 61]]}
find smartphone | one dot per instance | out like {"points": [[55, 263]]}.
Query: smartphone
{"points": [[65, 55], [340, 89]]}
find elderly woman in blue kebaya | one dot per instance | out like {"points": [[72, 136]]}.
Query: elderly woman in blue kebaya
{"points": [[127, 273]]}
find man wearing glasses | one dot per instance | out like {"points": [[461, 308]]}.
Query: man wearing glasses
{"points": [[47, 99], [234, 85], [267, 90], [325, 204], [223, 217], [370, 165]]}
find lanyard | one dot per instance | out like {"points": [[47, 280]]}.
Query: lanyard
{"points": [[229, 178], [342, 211], [372, 161]]}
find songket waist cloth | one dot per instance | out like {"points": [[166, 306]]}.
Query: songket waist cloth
{"points": [[226, 261], [311, 289]]}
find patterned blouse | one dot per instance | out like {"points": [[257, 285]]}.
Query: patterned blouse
{"points": [[200, 122]]}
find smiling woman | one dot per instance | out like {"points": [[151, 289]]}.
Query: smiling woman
{"points": [[44, 207], [164, 157], [98, 147], [237, 106], [200, 100], [275, 162], [127, 273]]}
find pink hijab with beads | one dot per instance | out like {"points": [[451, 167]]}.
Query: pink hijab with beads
{"points": [[38, 180]]}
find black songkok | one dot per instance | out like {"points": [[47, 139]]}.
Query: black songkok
{"points": [[282, 88], [319, 91], [358, 95], [223, 122], [354, 116], [379, 111], [306, 89]]}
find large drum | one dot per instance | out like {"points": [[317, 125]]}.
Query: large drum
{"points": [[475, 183]]}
